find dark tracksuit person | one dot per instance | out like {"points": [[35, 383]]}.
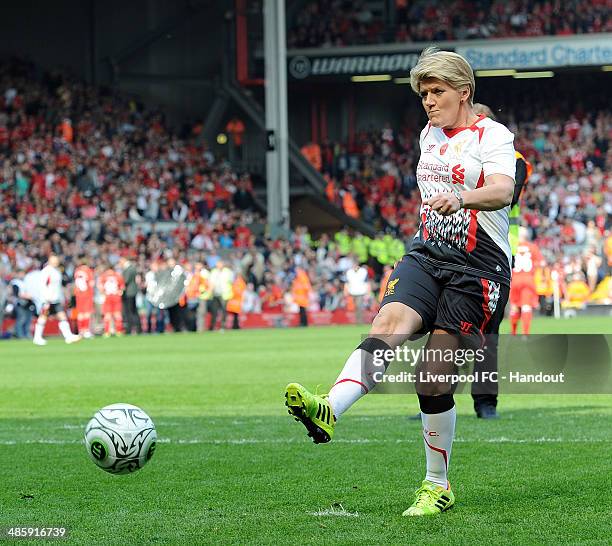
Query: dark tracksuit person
{"points": [[484, 394], [131, 318]]}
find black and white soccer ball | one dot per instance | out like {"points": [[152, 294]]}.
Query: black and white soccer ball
{"points": [[120, 438]]}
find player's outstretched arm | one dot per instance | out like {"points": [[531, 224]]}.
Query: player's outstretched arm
{"points": [[494, 195]]}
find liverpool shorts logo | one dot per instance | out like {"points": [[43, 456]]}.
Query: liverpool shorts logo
{"points": [[391, 287]]}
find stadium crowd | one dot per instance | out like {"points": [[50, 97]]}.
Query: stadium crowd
{"points": [[343, 23], [88, 174], [82, 166], [269, 276]]}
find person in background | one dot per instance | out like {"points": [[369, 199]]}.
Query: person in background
{"points": [[251, 302], [192, 295], [177, 312], [203, 297], [24, 307], [152, 310], [112, 286], [234, 305], [485, 394], [270, 295], [221, 279], [84, 296], [300, 292], [545, 288], [358, 287], [576, 293], [53, 303], [523, 293], [128, 298]]}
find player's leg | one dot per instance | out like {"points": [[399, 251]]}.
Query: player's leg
{"points": [[80, 321], [526, 316], [393, 325], [485, 390], [84, 308], [438, 416], [39, 328], [118, 321], [127, 321], [20, 321], [80, 308], [485, 402], [64, 326], [107, 317], [118, 316], [223, 309], [150, 310], [87, 324], [201, 315], [408, 305], [515, 307], [528, 298], [515, 316], [437, 405], [135, 315], [214, 309], [468, 309], [160, 321]]}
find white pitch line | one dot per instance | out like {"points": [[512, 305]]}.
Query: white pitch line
{"points": [[335, 511], [249, 441]]}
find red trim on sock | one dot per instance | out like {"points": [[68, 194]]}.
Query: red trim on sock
{"points": [[353, 381], [439, 450]]}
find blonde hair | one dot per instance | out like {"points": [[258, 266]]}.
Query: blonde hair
{"points": [[447, 66], [483, 109]]}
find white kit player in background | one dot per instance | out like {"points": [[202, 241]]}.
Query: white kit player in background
{"points": [[358, 288], [52, 303]]}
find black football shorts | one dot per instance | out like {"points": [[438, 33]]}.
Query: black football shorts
{"points": [[50, 309], [456, 302]]}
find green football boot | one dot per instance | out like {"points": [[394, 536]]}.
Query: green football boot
{"points": [[313, 410], [431, 500]]}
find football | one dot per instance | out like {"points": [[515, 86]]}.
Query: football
{"points": [[120, 438]]}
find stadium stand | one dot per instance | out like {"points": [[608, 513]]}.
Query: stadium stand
{"points": [[342, 23], [86, 171]]}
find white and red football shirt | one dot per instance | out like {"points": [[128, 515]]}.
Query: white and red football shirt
{"points": [[469, 240], [528, 257], [111, 284], [52, 285], [83, 282]]}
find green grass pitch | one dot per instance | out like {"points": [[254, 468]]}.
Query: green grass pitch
{"points": [[233, 468]]}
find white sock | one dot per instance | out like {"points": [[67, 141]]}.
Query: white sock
{"points": [[38, 330], [438, 434], [355, 380], [65, 329]]}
